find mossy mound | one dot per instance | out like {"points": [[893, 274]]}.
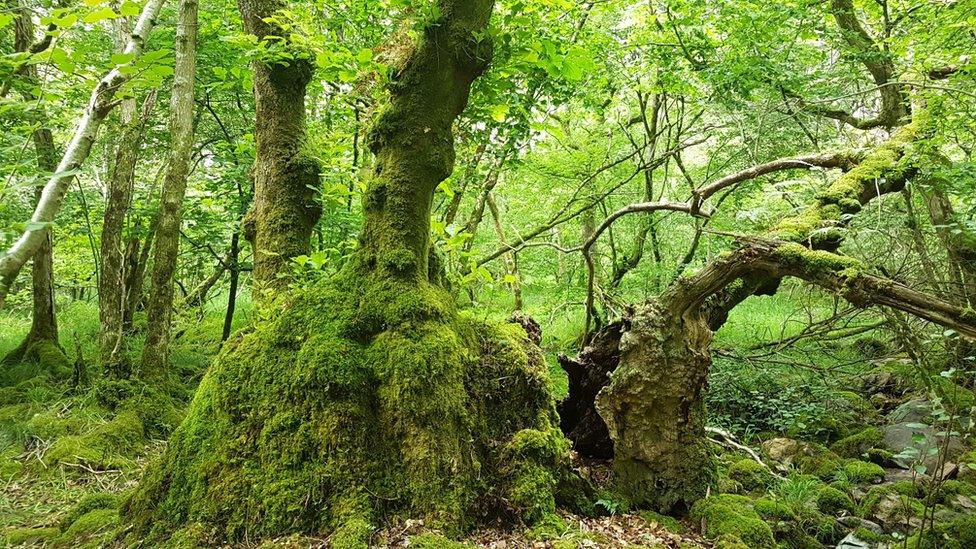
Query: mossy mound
{"points": [[732, 518], [41, 361], [353, 401], [751, 474]]}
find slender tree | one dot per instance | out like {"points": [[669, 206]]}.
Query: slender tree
{"points": [[44, 322], [155, 353], [99, 106]]}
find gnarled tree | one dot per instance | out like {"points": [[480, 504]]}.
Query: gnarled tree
{"points": [[368, 394], [658, 359]]}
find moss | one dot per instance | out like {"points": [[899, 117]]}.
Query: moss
{"points": [[87, 504], [832, 501], [857, 445], [751, 474], [108, 446], [728, 541], [91, 524], [355, 533], [868, 536], [963, 531], [820, 462], [25, 536], [355, 391], [733, 516], [550, 527], [771, 510], [796, 256], [861, 472]]}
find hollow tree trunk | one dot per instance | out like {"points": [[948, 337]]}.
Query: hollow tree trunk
{"points": [[286, 176], [44, 322], [155, 354]]}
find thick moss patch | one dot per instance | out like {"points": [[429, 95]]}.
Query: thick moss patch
{"points": [[354, 401], [733, 518]]}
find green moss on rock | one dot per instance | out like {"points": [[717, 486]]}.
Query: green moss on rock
{"points": [[751, 474], [832, 501], [730, 515], [856, 445], [861, 472]]}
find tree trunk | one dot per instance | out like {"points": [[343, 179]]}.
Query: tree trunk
{"points": [[367, 395], [155, 354], [118, 201], [44, 322], [286, 176]]}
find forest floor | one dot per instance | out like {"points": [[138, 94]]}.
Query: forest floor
{"points": [[852, 431]]}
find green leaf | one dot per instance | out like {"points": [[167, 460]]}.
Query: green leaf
{"points": [[122, 58], [499, 112], [130, 9], [100, 15], [364, 56]]}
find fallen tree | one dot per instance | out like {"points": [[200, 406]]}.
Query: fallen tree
{"points": [[636, 391]]}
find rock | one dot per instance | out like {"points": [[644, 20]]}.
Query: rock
{"points": [[902, 436], [914, 411], [854, 523], [785, 450], [851, 542], [891, 510]]}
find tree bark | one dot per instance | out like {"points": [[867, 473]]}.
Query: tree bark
{"points": [[100, 104], [286, 176], [44, 322], [413, 141], [118, 201], [155, 354]]}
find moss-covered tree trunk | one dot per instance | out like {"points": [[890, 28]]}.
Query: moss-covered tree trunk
{"points": [[285, 175], [369, 395], [652, 405]]}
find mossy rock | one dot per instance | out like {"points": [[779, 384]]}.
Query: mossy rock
{"points": [[859, 444], [860, 472], [731, 515], [832, 501], [358, 399], [751, 474]]}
